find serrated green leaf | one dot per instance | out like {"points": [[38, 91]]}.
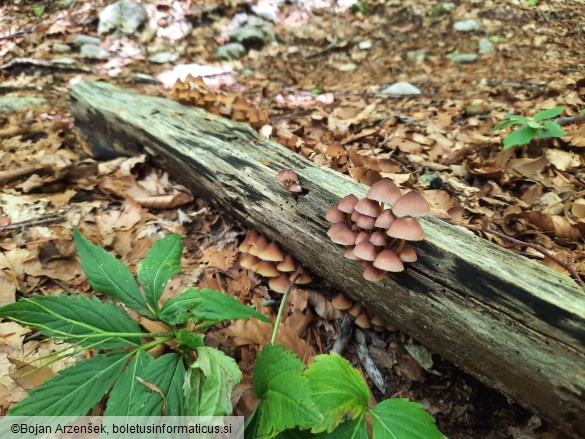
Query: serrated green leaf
{"points": [[75, 390], [400, 418], [162, 262], [108, 275], [521, 136], [507, 124], [205, 305], [251, 425], [123, 395], [75, 319], [167, 373], [285, 392], [338, 390], [355, 429], [212, 379], [190, 339], [548, 114], [551, 129]]}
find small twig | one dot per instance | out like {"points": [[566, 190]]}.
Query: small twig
{"points": [[536, 247], [345, 334], [368, 363], [32, 222], [570, 119]]}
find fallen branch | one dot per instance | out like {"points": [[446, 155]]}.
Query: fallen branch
{"points": [[515, 324]]}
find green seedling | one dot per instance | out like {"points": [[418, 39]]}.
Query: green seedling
{"points": [[329, 398], [138, 384], [539, 126]]}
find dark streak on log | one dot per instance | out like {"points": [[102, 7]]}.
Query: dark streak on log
{"points": [[513, 323]]}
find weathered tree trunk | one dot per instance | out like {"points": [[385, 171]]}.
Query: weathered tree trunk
{"points": [[516, 325]]}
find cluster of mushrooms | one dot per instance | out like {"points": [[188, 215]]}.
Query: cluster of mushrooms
{"points": [[375, 229], [364, 317], [267, 259]]}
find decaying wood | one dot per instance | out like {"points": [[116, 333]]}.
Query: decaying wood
{"points": [[515, 324]]}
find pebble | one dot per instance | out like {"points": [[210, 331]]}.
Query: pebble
{"points": [[61, 48], [464, 58], [466, 26], [230, 51], [11, 104], [401, 89], [80, 40], [122, 17], [163, 57], [93, 52], [485, 46]]}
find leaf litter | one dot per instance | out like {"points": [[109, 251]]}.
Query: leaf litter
{"points": [[439, 141]]}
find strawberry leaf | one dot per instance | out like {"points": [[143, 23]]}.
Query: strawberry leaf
{"points": [[339, 391], [400, 418], [209, 387], [285, 392]]}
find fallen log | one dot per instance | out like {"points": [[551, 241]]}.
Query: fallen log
{"points": [[516, 325]]}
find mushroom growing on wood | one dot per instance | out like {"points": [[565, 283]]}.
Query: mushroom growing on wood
{"points": [[367, 223], [289, 180]]}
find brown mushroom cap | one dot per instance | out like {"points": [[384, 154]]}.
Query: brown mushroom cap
{"points": [[412, 203], [287, 265], [355, 310], [279, 284], [340, 233], [248, 261], [365, 250], [387, 260], [385, 219], [363, 321], [366, 222], [348, 254], [377, 320], [408, 254], [406, 228], [271, 252], [334, 215], [341, 301], [368, 207], [266, 269], [287, 175], [347, 203], [373, 274], [384, 191], [378, 238], [258, 245], [304, 277], [362, 236], [251, 236]]}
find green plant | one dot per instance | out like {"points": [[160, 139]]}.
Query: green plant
{"points": [[532, 2], [538, 126], [329, 399], [123, 358], [361, 7]]}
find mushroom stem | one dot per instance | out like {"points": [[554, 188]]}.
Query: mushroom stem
{"points": [[281, 308], [392, 242], [400, 246]]}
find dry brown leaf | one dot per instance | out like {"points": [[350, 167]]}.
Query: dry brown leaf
{"points": [[245, 332], [223, 259], [23, 377]]}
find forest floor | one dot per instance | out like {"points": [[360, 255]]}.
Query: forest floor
{"points": [[322, 76]]}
